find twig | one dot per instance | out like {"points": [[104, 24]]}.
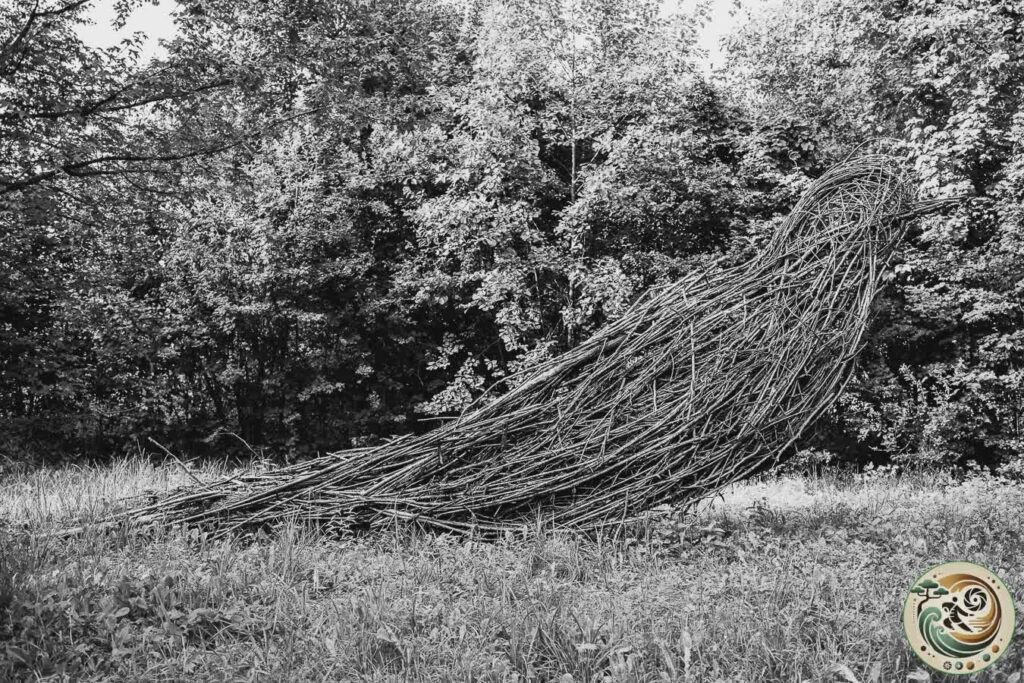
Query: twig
{"points": [[176, 459]]}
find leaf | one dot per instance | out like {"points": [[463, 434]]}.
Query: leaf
{"points": [[845, 672], [918, 675], [18, 654]]}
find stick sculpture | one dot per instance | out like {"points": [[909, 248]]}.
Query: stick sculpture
{"points": [[701, 383]]}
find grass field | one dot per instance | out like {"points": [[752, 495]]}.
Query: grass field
{"points": [[784, 579]]}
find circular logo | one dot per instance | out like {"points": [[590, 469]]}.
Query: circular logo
{"points": [[959, 617]]}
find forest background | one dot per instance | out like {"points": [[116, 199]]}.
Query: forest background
{"points": [[317, 224]]}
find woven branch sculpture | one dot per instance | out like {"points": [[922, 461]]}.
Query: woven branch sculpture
{"points": [[701, 383]]}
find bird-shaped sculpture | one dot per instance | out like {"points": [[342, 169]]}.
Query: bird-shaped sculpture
{"points": [[699, 384]]}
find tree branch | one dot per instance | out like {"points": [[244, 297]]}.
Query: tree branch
{"points": [[89, 167], [8, 51], [97, 107]]}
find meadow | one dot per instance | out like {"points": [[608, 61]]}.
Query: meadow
{"points": [[784, 578]]}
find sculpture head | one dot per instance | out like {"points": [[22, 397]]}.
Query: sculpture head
{"points": [[867, 200]]}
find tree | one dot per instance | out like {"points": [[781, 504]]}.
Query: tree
{"points": [[73, 156], [105, 161], [941, 83], [583, 161], [925, 588]]}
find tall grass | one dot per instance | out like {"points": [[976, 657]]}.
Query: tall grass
{"points": [[780, 579]]}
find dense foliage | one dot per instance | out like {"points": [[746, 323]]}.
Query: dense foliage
{"points": [[322, 223], [941, 82]]}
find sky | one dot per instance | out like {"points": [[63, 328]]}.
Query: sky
{"points": [[719, 23], [153, 19], [156, 22]]}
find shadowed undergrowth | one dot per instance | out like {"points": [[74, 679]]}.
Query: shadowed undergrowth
{"points": [[780, 579]]}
